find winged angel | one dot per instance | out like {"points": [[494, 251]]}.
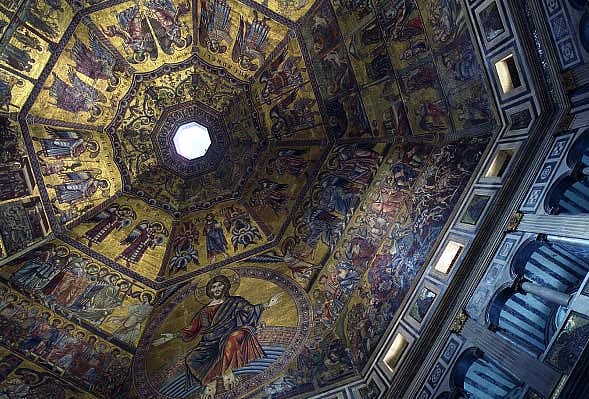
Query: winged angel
{"points": [[146, 235], [76, 96], [250, 43], [96, 61], [138, 24], [283, 74], [214, 27]]}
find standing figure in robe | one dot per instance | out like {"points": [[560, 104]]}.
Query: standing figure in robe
{"points": [[146, 235], [114, 218], [66, 144], [79, 187], [226, 328], [36, 273], [129, 325], [215, 238], [7, 83], [69, 283]]}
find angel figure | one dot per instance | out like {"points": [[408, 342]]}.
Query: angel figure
{"points": [[215, 25], [66, 144], [79, 186], [184, 247], [250, 43], [96, 61], [135, 32], [114, 218], [282, 74], [164, 18], [239, 224], [146, 235], [76, 97]]}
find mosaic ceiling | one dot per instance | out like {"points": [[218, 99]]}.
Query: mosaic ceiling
{"points": [[342, 136]]}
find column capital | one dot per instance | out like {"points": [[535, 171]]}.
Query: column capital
{"points": [[459, 321], [513, 223]]}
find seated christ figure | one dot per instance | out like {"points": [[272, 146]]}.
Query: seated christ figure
{"points": [[226, 327]]}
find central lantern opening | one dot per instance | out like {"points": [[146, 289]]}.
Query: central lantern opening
{"points": [[191, 140]]}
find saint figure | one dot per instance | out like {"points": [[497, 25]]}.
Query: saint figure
{"points": [[215, 238]]}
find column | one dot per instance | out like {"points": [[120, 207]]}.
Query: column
{"points": [[557, 297], [522, 365], [571, 226]]}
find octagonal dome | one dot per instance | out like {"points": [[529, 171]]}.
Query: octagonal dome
{"points": [[320, 170], [191, 140]]}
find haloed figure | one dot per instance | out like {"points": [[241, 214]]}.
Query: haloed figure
{"points": [[226, 328]]}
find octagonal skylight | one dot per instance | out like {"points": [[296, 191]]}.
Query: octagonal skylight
{"points": [[191, 140]]}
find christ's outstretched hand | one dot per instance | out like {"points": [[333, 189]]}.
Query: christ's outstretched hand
{"points": [[275, 300], [164, 337]]}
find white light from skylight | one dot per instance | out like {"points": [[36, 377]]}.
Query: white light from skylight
{"points": [[192, 140]]}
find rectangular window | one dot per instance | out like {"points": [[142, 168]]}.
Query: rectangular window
{"points": [[500, 163], [507, 73], [449, 257], [395, 352]]}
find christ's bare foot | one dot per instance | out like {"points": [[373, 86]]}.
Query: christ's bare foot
{"points": [[210, 390], [229, 380]]}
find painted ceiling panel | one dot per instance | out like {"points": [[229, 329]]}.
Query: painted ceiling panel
{"points": [[26, 331], [280, 308], [83, 290], [237, 37], [87, 81], [129, 232], [288, 104], [25, 378], [148, 33], [405, 214], [327, 182], [77, 168]]}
